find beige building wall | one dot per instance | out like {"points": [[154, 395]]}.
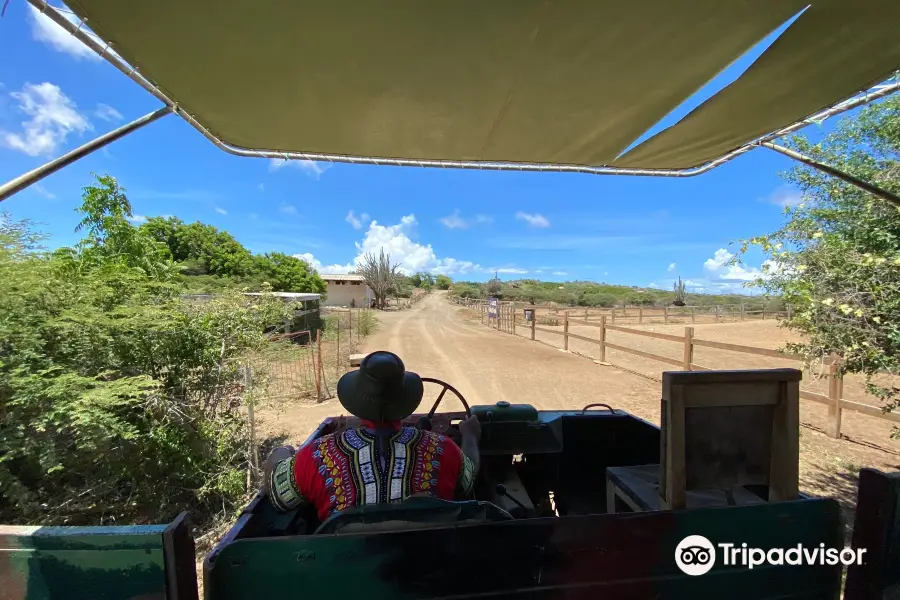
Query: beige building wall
{"points": [[343, 293]]}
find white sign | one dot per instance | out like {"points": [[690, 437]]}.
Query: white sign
{"points": [[493, 308]]}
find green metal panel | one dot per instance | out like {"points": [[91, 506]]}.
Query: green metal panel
{"points": [[877, 530], [630, 555], [75, 563]]}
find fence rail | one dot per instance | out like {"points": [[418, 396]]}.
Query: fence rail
{"points": [[508, 316]]}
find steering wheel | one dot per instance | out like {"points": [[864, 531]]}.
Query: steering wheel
{"points": [[446, 386]]}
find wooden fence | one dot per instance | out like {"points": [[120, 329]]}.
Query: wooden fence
{"points": [[508, 316]]}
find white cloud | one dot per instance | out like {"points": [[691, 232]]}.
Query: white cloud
{"points": [[53, 116], [454, 221], [560, 273], [653, 285], [511, 270], [138, 219], [287, 209], [396, 240], [312, 168], [43, 29], [106, 112], [724, 276], [784, 196], [671, 267], [357, 222], [220, 210], [535, 220], [261, 187], [43, 191]]}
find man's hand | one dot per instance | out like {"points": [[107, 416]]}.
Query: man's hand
{"points": [[470, 428]]}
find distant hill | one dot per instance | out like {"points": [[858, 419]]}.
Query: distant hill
{"points": [[589, 293]]}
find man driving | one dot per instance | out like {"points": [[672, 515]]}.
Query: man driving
{"points": [[380, 461]]}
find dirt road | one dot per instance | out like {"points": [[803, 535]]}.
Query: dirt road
{"points": [[435, 340]]}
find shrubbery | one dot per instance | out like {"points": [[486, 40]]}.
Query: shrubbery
{"points": [[119, 401]]}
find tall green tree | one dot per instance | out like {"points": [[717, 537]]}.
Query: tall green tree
{"points": [[286, 273], [200, 248], [442, 282], [837, 258]]}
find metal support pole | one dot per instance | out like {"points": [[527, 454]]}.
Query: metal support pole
{"points": [[867, 187], [31, 177]]}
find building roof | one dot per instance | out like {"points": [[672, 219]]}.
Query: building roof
{"points": [[343, 277], [290, 295]]}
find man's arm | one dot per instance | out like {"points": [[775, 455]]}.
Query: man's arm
{"points": [[279, 483], [470, 430]]}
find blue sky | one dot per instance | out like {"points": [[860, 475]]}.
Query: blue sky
{"points": [[639, 231]]}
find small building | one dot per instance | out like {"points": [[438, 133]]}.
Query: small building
{"points": [[347, 290]]}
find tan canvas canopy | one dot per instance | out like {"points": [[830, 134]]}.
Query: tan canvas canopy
{"points": [[535, 81], [564, 85]]}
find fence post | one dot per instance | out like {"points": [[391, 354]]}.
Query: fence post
{"points": [[585, 314], [717, 313], [248, 385], [566, 330], [337, 354], [514, 313], [688, 348], [640, 315], [614, 315], [533, 320], [835, 391], [665, 314], [742, 311], [316, 358], [602, 338], [693, 315]]}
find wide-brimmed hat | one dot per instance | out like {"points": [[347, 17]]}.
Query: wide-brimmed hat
{"points": [[381, 390]]}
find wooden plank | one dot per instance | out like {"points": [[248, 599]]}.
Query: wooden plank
{"points": [[664, 359], [649, 334], [746, 375], [821, 398], [584, 338], [675, 491], [877, 531], [746, 349], [547, 330], [784, 466], [872, 411], [179, 555]]}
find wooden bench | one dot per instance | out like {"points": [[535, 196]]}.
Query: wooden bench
{"points": [[356, 359]]}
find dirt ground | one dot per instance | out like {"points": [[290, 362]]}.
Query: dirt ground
{"points": [[438, 339]]}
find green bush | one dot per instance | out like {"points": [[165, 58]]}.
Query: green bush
{"points": [[119, 401]]}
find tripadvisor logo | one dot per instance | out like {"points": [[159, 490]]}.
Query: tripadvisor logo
{"points": [[696, 555]]}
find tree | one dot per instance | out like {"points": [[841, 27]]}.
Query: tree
{"points": [[836, 261], [380, 275], [493, 286], [289, 274], [200, 248], [442, 282]]}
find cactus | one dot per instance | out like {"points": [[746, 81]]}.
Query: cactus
{"points": [[679, 292]]}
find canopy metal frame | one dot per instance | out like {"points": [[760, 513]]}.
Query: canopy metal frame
{"points": [[106, 51]]}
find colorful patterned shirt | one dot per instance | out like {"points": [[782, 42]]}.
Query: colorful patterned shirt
{"points": [[349, 469]]}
